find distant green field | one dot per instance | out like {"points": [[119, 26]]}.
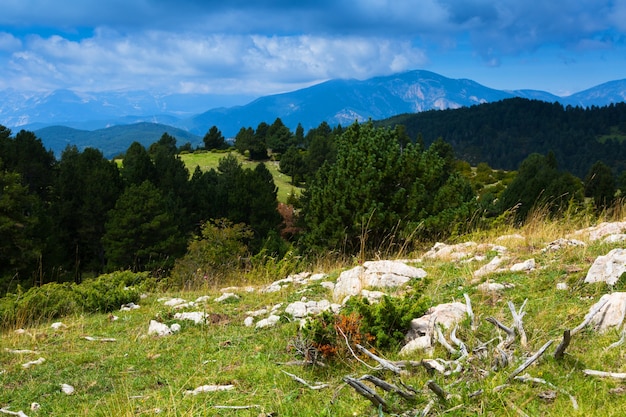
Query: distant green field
{"points": [[208, 160]]}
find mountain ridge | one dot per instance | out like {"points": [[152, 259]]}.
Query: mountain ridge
{"points": [[336, 101]]}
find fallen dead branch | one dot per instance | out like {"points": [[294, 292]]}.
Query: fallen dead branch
{"points": [[440, 392], [383, 362], [517, 321], [388, 387], [589, 316], [470, 312], [367, 392], [530, 360], [236, 407], [603, 374], [560, 349], [303, 382], [510, 332], [13, 413]]}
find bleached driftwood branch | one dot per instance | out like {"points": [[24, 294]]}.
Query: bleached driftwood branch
{"points": [[603, 374], [434, 387], [517, 321], [459, 343], [388, 387], [367, 392], [470, 312], [530, 360], [619, 342], [560, 349], [510, 332], [383, 362], [303, 382], [441, 339], [236, 407], [13, 413]]}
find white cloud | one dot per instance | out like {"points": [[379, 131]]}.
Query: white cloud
{"points": [[9, 43], [176, 61]]}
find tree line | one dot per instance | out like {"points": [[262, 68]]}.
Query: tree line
{"points": [[504, 133], [366, 188]]}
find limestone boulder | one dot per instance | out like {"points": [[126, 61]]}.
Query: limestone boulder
{"points": [[526, 266], [601, 230], [380, 274], [611, 314], [422, 328], [608, 268]]}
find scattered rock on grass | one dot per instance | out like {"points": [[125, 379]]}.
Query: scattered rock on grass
{"points": [[196, 316], [67, 389], [562, 243], [526, 266], [159, 329], [32, 363], [608, 268], [227, 296], [612, 313], [268, 322], [382, 274]]}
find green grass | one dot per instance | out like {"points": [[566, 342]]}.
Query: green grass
{"points": [[209, 160], [139, 374]]}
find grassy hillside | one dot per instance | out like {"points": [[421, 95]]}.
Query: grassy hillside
{"points": [[208, 160], [138, 374]]}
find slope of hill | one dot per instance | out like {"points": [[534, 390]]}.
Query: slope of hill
{"points": [[230, 362], [112, 140]]}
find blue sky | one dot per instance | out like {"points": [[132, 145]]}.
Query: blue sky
{"points": [[254, 48]]}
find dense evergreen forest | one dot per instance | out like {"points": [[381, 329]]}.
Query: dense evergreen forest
{"points": [[365, 188], [504, 133]]}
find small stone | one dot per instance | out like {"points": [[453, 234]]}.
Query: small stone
{"points": [[58, 325], [562, 286], [175, 328], [67, 389], [158, 329], [268, 322], [249, 321]]}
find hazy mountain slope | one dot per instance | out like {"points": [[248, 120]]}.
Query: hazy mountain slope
{"points": [[113, 140]]}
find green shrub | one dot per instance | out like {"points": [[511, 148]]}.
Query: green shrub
{"points": [[382, 325], [99, 295]]}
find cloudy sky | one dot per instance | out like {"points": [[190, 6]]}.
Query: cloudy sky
{"points": [[259, 47]]}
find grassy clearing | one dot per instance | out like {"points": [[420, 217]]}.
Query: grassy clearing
{"points": [[210, 160], [146, 375]]}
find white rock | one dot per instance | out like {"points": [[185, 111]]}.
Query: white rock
{"points": [[175, 328], [203, 299], [67, 389], [227, 296], [209, 388], [562, 286], [615, 238], [450, 252], [562, 243], [196, 316], [174, 302], [447, 315], [374, 274], [249, 321], [491, 267], [58, 325], [372, 296], [268, 322], [608, 268], [417, 344], [525, 266], [129, 307], [613, 312], [257, 313], [328, 285], [35, 406], [317, 277], [158, 329], [297, 309], [184, 305], [601, 230], [493, 286]]}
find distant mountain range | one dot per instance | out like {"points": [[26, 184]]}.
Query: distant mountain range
{"points": [[334, 101]]}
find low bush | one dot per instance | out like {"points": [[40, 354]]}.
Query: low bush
{"points": [[99, 295]]}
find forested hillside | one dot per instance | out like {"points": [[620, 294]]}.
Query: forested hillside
{"points": [[504, 133], [366, 189]]}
